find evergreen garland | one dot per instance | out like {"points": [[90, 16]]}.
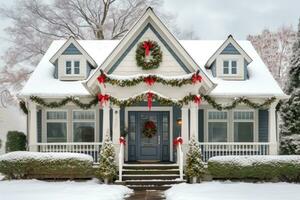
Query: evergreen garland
{"points": [[23, 107], [161, 100], [155, 58]]}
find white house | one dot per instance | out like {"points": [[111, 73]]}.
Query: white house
{"points": [[158, 88]]}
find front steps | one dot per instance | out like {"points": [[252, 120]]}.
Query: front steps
{"points": [[150, 176]]}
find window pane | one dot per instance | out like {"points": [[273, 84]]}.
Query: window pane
{"points": [[76, 67], [243, 131], [68, 67], [233, 67], [217, 131], [243, 115], [83, 115], [84, 131], [56, 115], [56, 132], [217, 115], [225, 67]]}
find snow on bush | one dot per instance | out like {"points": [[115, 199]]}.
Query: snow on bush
{"points": [[275, 168], [290, 144], [22, 164]]}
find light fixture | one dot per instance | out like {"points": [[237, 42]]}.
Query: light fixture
{"points": [[179, 121]]}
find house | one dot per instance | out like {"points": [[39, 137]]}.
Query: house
{"points": [[152, 88]]}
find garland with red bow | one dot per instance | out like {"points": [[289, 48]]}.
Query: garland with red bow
{"points": [[103, 99], [150, 80], [148, 55]]}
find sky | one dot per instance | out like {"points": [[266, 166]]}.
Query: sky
{"points": [[215, 19]]}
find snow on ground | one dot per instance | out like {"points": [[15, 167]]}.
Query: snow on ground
{"points": [[234, 191], [68, 190]]}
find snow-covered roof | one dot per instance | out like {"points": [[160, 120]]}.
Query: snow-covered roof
{"points": [[260, 83]]}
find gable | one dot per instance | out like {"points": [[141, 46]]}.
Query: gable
{"points": [[230, 49], [171, 63], [71, 50]]}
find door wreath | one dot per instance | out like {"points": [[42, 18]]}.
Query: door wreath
{"points": [[149, 129]]}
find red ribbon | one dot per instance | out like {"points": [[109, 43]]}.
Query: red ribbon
{"points": [[197, 99], [147, 45], [101, 79], [149, 97], [177, 141], [149, 80], [196, 77], [122, 140], [103, 99]]}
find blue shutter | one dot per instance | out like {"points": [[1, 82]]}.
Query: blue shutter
{"points": [[39, 125], [122, 120], [201, 125], [111, 123], [263, 125]]}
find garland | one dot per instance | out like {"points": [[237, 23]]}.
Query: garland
{"points": [[150, 80], [160, 100], [143, 57], [23, 107], [149, 129]]}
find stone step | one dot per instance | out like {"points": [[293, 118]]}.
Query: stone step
{"points": [[150, 166], [150, 171], [150, 176], [153, 182], [147, 187]]}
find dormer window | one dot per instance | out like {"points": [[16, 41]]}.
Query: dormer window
{"points": [[229, 67], [72, 67]]}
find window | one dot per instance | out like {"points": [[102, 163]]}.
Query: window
{"points": [[84, 126], [56, 126], [217, 126], [229, 67], [243, 126], [72, 67]]}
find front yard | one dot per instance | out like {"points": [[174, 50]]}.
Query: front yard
{"points": [[234, 191], [67, 190]]}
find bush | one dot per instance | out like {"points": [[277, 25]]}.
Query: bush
{"points": [[262, 168], [15, 141], [290, 145], [23, 165]]}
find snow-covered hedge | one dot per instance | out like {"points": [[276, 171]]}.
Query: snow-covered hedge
{"points": [[22, 164], [266, 168]]}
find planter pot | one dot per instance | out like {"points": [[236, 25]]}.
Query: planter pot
{"points": [[106, 181], [194, 180]]}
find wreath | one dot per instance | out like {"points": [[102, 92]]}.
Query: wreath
{"points": [[148, 55], [149, 129]]}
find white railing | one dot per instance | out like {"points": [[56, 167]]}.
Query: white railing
{"points": [[209, 150], [180, 160], [121, 160], [92, 149]]}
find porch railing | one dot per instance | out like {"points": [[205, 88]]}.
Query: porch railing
{"points": [[92, 149], [209, 150]]}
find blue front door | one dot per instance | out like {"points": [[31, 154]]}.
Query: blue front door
{"points": [[143, 148]]}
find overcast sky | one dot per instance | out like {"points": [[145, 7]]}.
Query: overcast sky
{"points": [[216, 19]]}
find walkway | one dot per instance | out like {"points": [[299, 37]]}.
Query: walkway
{"points": [[147, 195]]}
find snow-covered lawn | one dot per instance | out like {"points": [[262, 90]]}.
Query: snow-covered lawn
{"points": [[234, 191], [68, 190]]}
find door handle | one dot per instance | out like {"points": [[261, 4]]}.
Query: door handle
{"points": [[159, 139]]}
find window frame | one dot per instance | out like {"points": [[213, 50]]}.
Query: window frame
{"points": [[82, 121], [217, 120], [245, 120], [229, 66], [72, 67], [56, 121]]}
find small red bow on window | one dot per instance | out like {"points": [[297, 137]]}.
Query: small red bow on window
{"points": [[147, 45], [149, 80]]}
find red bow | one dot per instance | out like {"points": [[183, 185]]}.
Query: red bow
{"points": [[196, 77], [197, 99], [122, 140], [149, 97], [101, 79], [147, 45], [103, 99], [177, 141], [149, 80]]}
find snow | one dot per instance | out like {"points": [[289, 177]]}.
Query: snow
{"points": [[70, 190], [250, 160], [234, 191], [24, 155], [200, 51]]}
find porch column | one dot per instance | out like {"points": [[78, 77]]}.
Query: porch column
{"points": [[32, 135], [105, 127], [272, 129], [185, 129], [194, 121]]}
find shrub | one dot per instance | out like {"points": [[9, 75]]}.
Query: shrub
{"points": [[22, 165], [262, 168], [15, 141]]}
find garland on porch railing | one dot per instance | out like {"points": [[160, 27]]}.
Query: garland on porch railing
{"points": [[161, 100], [149, 80]]}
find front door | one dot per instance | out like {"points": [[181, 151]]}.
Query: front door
{"points": [[145, 148]]}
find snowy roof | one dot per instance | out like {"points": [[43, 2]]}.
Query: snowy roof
{"points": [[43, 83]]}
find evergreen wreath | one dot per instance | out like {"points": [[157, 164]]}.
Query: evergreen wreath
{"points": [[149, 129], [143, 57]]}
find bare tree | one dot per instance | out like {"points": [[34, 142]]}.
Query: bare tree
{"points": [[275, 49]]}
